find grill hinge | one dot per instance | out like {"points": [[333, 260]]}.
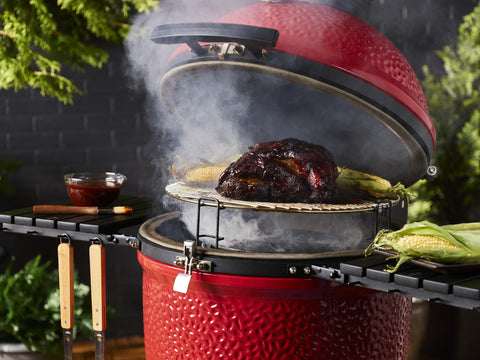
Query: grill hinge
{"points": [[223, 50]]}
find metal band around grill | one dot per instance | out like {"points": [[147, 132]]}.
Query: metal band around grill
{"points": [[168, 251]]}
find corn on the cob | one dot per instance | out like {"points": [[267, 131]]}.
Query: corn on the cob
{"points": [[448, 244], [204, 175], [363, 185], [425, 242]]}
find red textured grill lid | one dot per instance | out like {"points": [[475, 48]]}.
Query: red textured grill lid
{"points": [[365, 100], [337, 39]]}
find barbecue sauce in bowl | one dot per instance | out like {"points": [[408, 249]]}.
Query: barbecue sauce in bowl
{"points": [[94, 189]]}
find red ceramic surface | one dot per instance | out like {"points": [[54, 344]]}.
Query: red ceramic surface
{"points": [[238, 317], [335, 38]]}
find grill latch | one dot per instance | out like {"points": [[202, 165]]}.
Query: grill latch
{"points": [[190, 263]]}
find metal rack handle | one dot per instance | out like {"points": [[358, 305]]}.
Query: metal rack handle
{"points": [[203, 202]]}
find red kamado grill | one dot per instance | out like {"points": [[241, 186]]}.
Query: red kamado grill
{"points": [[315, 73]]}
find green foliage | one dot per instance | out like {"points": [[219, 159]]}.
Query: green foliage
{"points": [[454, 104], [30, 308], [37, 37]]}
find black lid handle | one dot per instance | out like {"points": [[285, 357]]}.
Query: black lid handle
{"points": [[252, 37]]}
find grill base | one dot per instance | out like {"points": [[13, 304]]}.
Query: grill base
{"points": [[240, 317]]}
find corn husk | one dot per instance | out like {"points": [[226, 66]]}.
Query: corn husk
{"points": [[364, 185], [465, 236]]}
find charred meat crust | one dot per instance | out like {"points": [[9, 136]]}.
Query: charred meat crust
{"points": [[288, 170]]}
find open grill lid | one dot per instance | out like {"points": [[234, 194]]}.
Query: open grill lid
{"points": [[304, 70]]}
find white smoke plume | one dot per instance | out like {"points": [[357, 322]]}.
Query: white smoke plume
{"points": [[213, 134]]}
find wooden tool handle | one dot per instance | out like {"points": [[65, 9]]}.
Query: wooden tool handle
{"points": [[97, 286], [65, 280], [80, 210], [64, 209]]}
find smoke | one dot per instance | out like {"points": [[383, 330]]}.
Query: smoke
{"points": [[227, 112], [223, 112], [203, 133], [149, 61], [200, 134], [278, 232]]}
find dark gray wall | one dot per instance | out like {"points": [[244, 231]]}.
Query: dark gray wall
{"points": [[104, 130], [107, 129], [419, 28]]}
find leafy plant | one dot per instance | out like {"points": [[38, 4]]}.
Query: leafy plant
{"points": [[37, 37], [454, 104], [30, 308]]}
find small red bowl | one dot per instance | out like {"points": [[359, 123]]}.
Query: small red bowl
{"points": [[94, 189]]}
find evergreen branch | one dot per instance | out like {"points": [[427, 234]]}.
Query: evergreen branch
{"points": [[38, 35]]}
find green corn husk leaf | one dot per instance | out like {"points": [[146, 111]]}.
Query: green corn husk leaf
{"points": [[466, 236], [363, 184]]}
